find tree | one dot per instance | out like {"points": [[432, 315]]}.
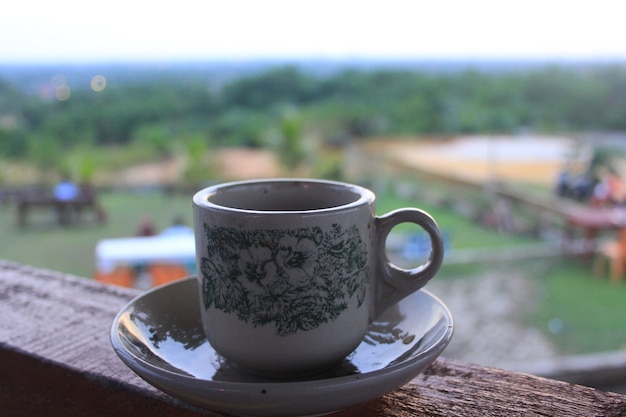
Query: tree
{"points": [[197, 166], [277, 87], [288, 140]]}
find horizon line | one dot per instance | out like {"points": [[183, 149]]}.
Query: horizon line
{"points": [[320, 58]]}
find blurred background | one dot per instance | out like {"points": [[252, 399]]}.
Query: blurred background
{"points": [[505, 120]]}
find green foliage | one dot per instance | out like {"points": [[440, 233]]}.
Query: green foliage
{"points": [[155, 136], [13, 143], [463, 232], [328, 164], [278, 86], [240, 127], [344, 105], [111, 157], [44, 151], [198, 168], [604, 157], [289, 140], [81, 163], [340, 121]]}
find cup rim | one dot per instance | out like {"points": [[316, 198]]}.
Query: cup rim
{"points": [[201, 197]]}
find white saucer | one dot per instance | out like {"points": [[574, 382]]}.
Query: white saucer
{"points": [[159, 336]]}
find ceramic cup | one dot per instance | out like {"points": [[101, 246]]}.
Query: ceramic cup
{"points": [[292, 271]]}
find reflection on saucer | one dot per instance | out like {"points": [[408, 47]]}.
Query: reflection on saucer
{"points": [[159, 335]]}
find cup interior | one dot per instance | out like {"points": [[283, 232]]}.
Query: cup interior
{"points": [[286, 195]]}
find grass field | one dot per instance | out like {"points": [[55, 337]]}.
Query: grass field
{"points": [[579, 313], [71, 249]]}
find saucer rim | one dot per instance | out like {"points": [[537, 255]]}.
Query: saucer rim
{"points": [[385, 369], [403, 371]]}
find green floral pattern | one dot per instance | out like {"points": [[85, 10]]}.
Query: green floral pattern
{"points": [[294, 279]]}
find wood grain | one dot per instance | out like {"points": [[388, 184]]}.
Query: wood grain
{"points": [[56, 359]]}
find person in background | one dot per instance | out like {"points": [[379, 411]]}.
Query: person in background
{"points": [[611, 190], [66, 190], [178, 227], [146, 227]]}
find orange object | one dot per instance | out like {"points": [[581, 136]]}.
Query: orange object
{"points": [[614, 252], [164, 273], [122, 276]]}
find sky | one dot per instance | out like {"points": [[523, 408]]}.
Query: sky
{"points": [[58, 31]]}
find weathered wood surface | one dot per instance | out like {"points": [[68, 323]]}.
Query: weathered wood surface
{"points": [[56, 359]]}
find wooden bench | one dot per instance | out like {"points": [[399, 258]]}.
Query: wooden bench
{"points": [[67, 211], [10, 195], [56, 360]]}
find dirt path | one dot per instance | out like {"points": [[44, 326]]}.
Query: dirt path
{"points": [[511, 158], [489, 311], [229, 165], [528, 159]]}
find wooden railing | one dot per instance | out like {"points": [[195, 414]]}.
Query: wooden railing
{"points": [[56, 360]]}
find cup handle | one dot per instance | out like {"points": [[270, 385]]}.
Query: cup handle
{"points": [[393, 282]]}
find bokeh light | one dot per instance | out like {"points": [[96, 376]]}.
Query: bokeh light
{"points": [[62, 92], [98, 83]]}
